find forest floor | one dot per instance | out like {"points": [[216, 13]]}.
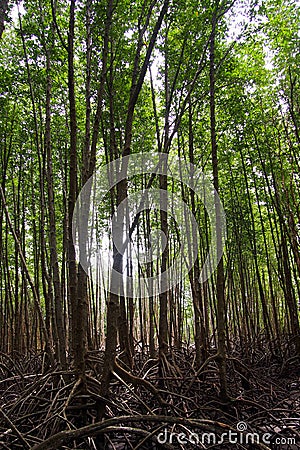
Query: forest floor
{"points": [[48, 409]]}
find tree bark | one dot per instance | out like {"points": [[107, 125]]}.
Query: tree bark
{"points": [[3, 12], [220, 284]]}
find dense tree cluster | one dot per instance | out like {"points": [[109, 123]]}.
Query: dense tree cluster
{"points": [[84, 83]]}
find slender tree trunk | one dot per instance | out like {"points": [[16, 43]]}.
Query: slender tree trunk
{"points": [[220, 283], [58, 301], [77, 345], [3, 12], [163, 185], [113, 301]]}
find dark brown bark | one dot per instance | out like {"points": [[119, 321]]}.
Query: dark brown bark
{"points": [[77, 345], [3, 13], [220, 283], [58, 301], [113, 302], [163, 185]]}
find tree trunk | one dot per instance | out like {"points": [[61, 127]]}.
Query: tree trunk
{"points": [[221, 310]]}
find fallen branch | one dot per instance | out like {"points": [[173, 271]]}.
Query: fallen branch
{"points": [[58, 439]]}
